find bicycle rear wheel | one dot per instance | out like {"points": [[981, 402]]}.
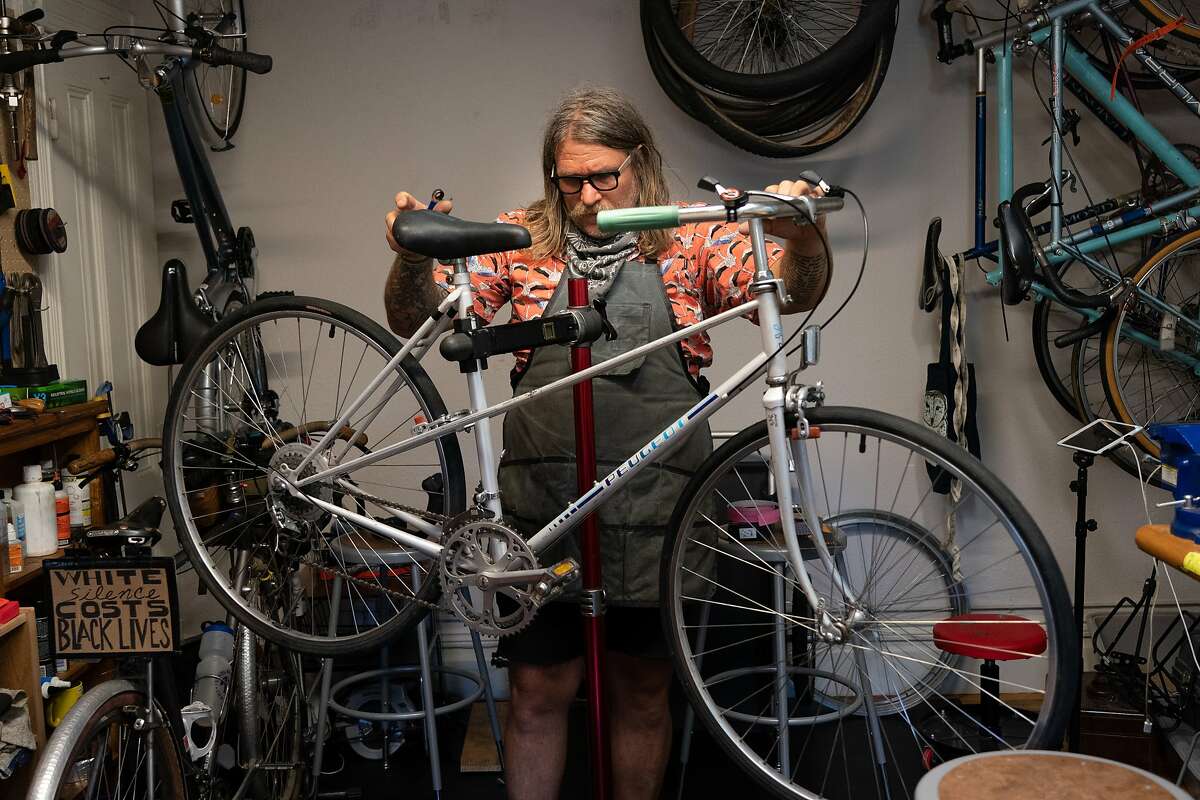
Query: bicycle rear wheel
{"points": [[1150, 351], [804, 715], [96, 753], [325, 584]]}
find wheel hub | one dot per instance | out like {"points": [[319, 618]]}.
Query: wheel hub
{"points": [[282, 470]]}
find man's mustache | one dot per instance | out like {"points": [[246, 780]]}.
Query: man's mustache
{"points": [[580, 211]]}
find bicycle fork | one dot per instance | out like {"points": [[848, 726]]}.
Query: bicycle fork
{"points": [[789, 455]]}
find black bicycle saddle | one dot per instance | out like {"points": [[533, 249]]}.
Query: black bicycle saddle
{"points": [[438, 235], [177, 326], [138, 528]]}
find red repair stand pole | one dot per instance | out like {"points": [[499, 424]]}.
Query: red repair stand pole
{"points": [[593, 580]]}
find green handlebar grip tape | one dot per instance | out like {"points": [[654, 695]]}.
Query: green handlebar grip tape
{"points": [[638, 219]]}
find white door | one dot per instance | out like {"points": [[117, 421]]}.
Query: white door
{"points": [[94, 168]]}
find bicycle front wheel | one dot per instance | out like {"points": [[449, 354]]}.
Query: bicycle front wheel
{"points": [[271, 717], [251, 404], [96, 753], [1150, 352], [219, 92], [804, 714]]}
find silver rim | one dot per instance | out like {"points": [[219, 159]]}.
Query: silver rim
{"points": [[315, 365], [912, 682]]}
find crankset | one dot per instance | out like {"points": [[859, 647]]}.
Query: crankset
{"points": [[491, 577]]}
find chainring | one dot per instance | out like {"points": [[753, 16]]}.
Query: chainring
{"points": [[467, 551]]}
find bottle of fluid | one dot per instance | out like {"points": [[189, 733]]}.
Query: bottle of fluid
{"points": [[79, 500], [41, 534], [215, 667], [16, 531], [62, 516]]}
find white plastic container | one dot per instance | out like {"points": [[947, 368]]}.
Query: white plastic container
{"points": [[16, 531], [41, 522], [79, 499]]}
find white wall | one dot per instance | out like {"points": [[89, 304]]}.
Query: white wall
{"points": [[383, 96]]}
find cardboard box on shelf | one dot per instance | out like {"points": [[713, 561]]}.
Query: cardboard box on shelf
{"points": [[66, 392]]}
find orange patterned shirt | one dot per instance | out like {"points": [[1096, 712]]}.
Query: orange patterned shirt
{"points": [[705, 270]]}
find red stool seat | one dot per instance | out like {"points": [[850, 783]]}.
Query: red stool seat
{"points": [[991, 637]]}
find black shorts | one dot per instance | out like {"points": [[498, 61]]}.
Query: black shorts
{"points": [[556, 634]]}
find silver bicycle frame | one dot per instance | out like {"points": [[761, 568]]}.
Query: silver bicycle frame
{"points": [[792, 489]]}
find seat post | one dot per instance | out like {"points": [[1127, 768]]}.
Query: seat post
{"points": [[489, 496], [989, 696]]}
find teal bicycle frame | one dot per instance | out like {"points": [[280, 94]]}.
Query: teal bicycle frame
{"points": [[1134, 222]]}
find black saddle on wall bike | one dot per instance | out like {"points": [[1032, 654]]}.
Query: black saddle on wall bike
{"points": [[177, 326]]}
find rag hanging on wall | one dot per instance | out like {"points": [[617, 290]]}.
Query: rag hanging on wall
{"points": [[950, 382], [950, 408]]}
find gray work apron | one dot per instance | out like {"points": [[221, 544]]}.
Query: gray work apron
{"points": [[633, 404]]}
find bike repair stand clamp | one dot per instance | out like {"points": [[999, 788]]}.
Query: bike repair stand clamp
{"points": [[1083, 526], [593, 580]]}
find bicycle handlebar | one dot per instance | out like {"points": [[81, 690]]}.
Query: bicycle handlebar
{"points": [[214, 55], [24, 59], [647, 218], [218, 56]]}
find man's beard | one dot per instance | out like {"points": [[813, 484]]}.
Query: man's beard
{"points": [[580, 211]]}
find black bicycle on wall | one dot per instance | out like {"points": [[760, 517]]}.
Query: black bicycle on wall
{"points": [[120, 740]]}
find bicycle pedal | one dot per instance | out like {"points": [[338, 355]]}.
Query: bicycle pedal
{"points": [[554, 579]]}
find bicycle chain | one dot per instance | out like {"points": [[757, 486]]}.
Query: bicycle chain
{"points": [[431, 516]]}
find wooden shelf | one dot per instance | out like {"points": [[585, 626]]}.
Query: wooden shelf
{"points": [[12, 624], [76, 669], [31, 572], [50, 426], [54, 434], [19, 670]]}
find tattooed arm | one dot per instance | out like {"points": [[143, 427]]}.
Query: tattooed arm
{"points": [[804, 266], [410, 294], [805, 274]]}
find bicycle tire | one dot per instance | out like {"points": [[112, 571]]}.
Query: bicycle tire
{"points": [[1092, 400], [285, 552], [65, 761], [824, 68], [1052, 319], [1139, 317], [829, 131], [683, 574], [1164, 13], [270, 734], [218, 129], [1184, 66], [1045, 355]]}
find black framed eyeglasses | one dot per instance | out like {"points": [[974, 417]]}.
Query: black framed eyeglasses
{"points": [[600, 181]]}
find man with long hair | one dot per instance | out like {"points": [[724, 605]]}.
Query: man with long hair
{"points": [[598, 154]]}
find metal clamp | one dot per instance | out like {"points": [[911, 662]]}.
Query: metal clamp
{"points": [[445, 419], [1187, 501], [593, 603], [799, 396], [768, 285], [482, 498]]}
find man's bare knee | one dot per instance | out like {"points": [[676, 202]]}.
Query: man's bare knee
{"points": [[540, 691], [639, 686]]}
